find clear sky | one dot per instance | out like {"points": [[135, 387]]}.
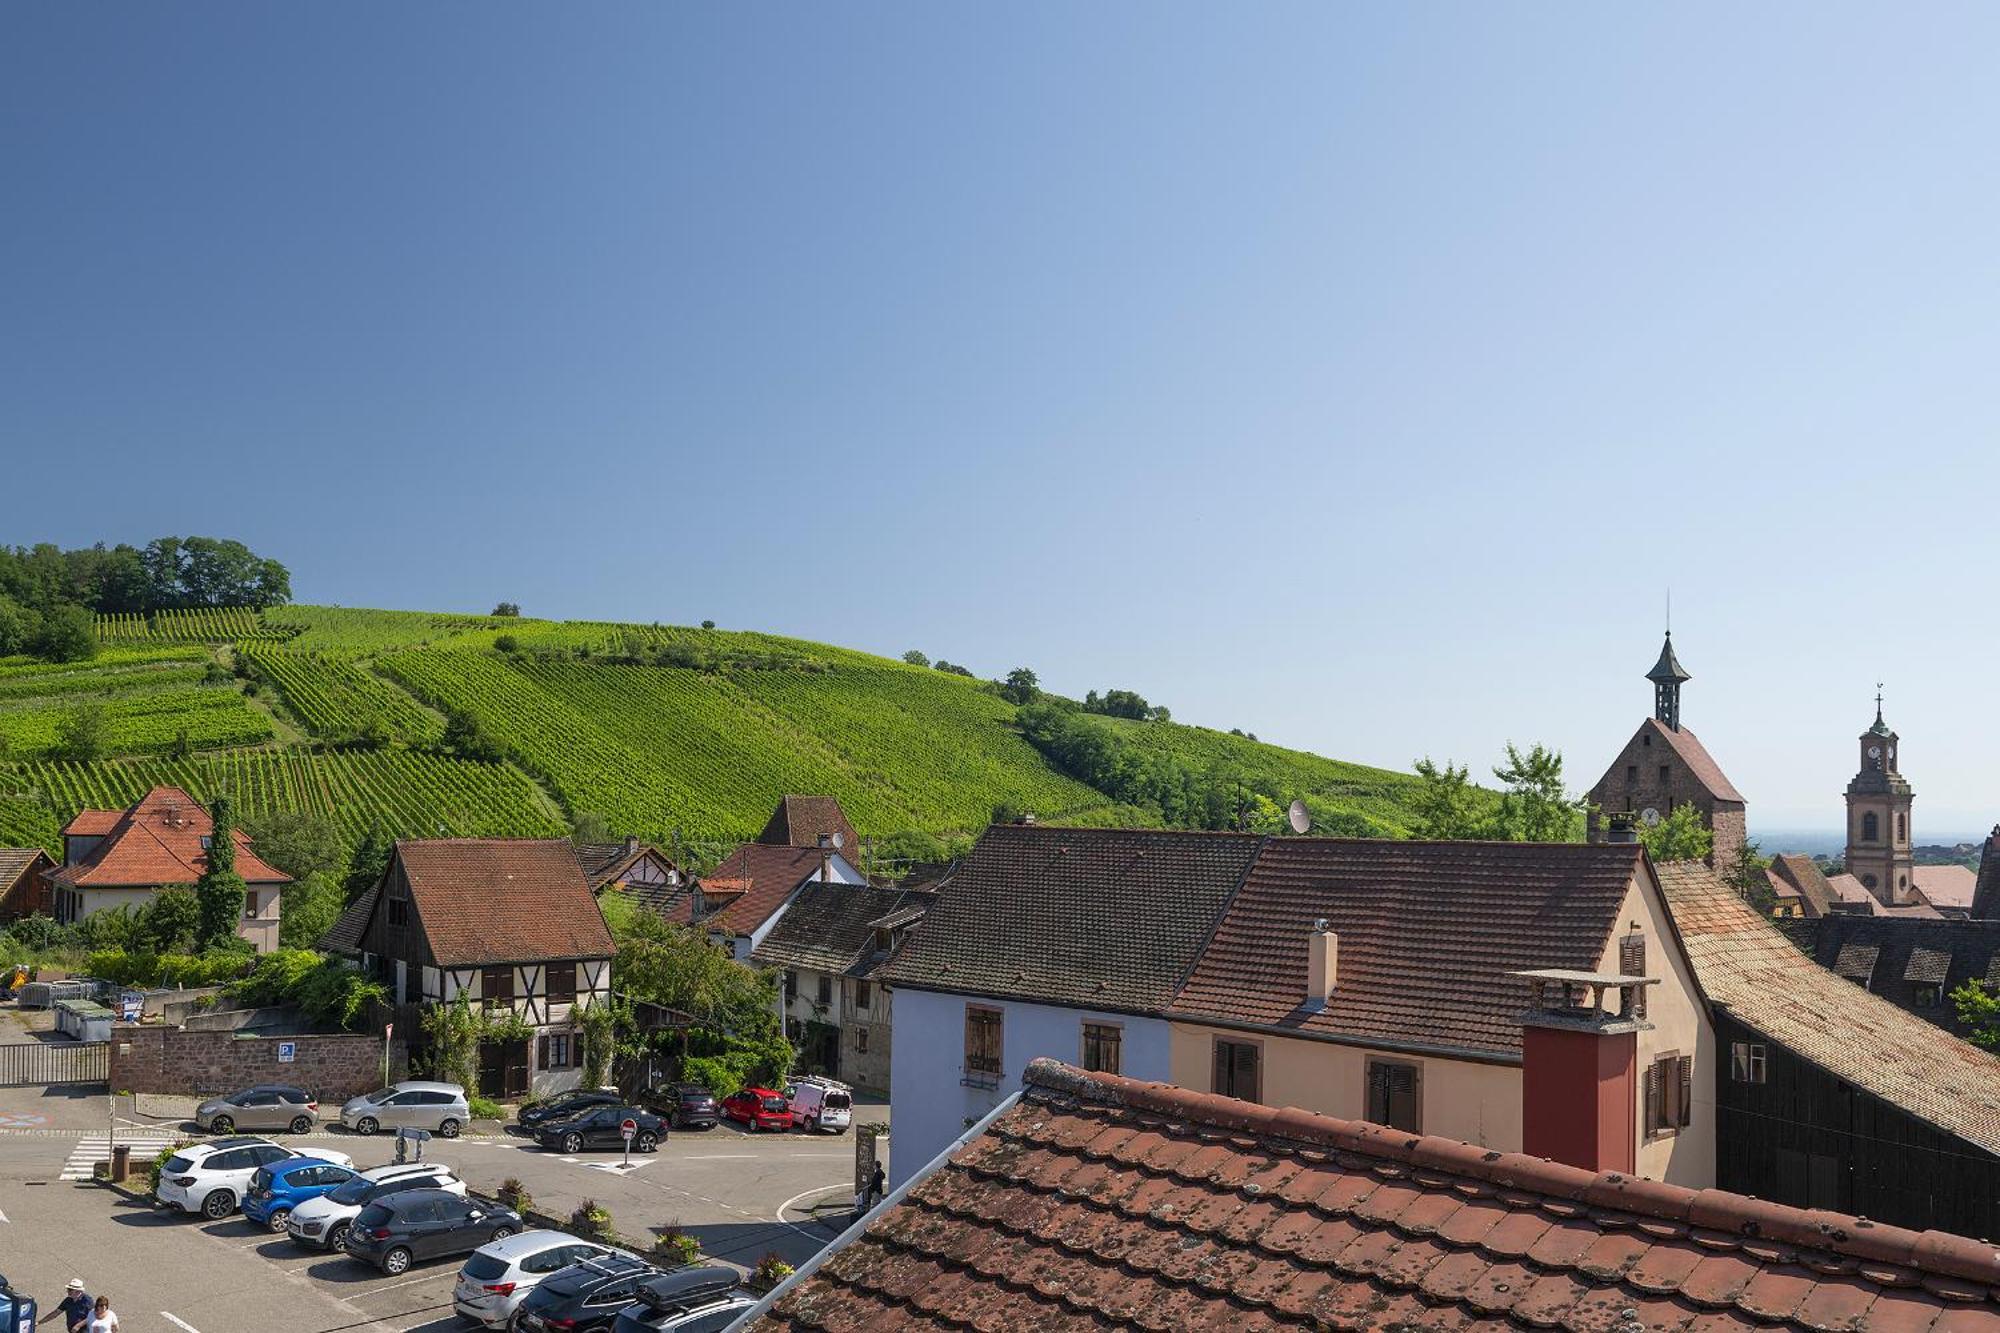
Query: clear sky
{"points": [[1359, 375]]}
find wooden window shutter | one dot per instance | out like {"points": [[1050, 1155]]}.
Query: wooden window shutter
{"points": [[1632, 963], [542, 1053], [1653, 1118], [1684, 1078], [1218, 1080]]}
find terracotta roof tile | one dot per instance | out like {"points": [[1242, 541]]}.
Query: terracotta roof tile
{"points": [[1699, 762], [1491, 908], [1745, 964], [501, 900], [767, 876], [983, 1242], [158, 840], [800, 820]]}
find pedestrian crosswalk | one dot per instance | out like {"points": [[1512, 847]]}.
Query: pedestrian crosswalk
{"points": [[94, 1148]]}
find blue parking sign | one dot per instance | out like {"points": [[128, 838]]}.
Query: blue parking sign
{"points": [[287, 1052]]}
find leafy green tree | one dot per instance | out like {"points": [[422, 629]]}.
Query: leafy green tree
{"points": [[167, 924], [297, 843], [1978, 1006], [1022, 686], [369, 863], [599, 1026], [68, 633], [917, 659], [219, 892], [81, 735], [1535, 807], [590, 826], [453, 1032], [19, 627], [507, 609], [308, 907], [1681, 836], [1446, 804], [464, 737]]}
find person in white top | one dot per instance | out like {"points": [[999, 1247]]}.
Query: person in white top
{"points": [[101, 1318]]}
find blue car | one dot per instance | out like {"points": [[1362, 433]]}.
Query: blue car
{"points": [[282, 1186]]}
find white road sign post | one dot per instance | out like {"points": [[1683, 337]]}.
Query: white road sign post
{"points": [[628, 1127]]}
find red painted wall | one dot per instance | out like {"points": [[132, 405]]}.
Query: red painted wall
{"points": [[1578, 1095]]}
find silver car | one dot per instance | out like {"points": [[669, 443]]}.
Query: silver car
{"points": [[438, 1107], [266, 1106]]}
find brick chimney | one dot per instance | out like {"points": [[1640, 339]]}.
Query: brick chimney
{"points": [[1580, 1068], [825, 857], [1322, 965], [631, 843]]}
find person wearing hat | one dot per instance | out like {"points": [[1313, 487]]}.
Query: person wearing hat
{"points": [[75, 1307]]}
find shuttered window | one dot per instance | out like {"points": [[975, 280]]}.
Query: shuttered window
{"points": [[1395, 1095], [496, 984], [1632, 963], [982, 1040], [561, 983], [1101, 1042], [1237, 1070], [1669, 1095]]}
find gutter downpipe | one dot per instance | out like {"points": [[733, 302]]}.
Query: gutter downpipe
{"points": [[853, 1233]]}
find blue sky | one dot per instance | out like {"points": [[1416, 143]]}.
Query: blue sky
{"points": [[1361, 376]]}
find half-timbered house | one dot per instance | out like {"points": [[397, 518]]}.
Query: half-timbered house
{"points": [[509, 924]]}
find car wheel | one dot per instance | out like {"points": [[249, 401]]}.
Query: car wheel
{"points": [[396, 1262], [572, 1143], [336, 1239], [500, 1233], [218, 1205], [276, 1221], [302, 1124], [645, 1142], [367, 1124], [222, 1124], [449, 1129]]}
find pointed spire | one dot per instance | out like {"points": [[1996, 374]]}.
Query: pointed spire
{"points": [[1880, 728], [1669, 667]]}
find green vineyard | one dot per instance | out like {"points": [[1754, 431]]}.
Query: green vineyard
{"points": [[343, 712]]}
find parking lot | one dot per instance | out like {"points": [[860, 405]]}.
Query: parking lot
{"points": [[743, 1195]]}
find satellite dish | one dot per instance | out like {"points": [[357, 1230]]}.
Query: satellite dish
{"points": [[1299, 819], [839, 840]]}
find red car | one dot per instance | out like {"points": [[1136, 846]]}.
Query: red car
{"points": [[758, 1108]]}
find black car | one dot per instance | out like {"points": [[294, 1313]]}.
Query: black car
{"points": [[565, 1105], [687, 1105], [603, 1128], [395, 1232], [688, 1300], [585, 1297]]}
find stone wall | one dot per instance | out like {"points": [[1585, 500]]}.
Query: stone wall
{"points": [[331, 1066]]}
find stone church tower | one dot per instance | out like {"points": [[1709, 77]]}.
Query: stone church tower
{"points": [[1665, 765], [1878, 819]]}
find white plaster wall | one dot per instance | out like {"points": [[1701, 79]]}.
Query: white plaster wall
{"points": [[932, 1106]]}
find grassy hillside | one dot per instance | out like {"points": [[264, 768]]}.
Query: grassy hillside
{"points": [[479, 724]]}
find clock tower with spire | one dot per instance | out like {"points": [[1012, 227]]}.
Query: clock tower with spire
{"points": [[1878, 818]]}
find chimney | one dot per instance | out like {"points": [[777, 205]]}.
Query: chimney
{"points": [[631, 843], [1579, 1068], [1621, 828], [825, 857], [1322, 965]]}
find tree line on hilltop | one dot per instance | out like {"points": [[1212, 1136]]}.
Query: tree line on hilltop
{"points": [[49, 597]]}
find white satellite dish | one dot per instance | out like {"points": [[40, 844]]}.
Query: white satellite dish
{"points": [[839, 840], [1298, 817]]}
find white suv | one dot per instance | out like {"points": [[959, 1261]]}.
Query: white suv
{"points": [[324, 1221], [212, 1178], [499, 1275]]}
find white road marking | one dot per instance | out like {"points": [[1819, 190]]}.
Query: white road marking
{"points": [[807, 1194], [3, 1217], [94, 1148], [719, 1157], [392, 1286], [179, 1323]]}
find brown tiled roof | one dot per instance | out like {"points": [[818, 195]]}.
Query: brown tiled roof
{"points": [[159, 841], [1095, 918], [799, 820], [1695, 756], [756, 878], [1744, 964], [1097, 1203], [1853, 898], [1928, 966], [831, 928], [1909, 946], [1803, 876], [1856, 962], [21, 888], [502, 900], [1428, 932], [344, 936], [1945, 886], [16, 862]]}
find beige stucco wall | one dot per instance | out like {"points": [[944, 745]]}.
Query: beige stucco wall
{"points": [[1680, 1026], [1462, 1099]]}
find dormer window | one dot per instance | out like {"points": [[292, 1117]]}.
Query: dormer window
{"points": [[206, 842]]}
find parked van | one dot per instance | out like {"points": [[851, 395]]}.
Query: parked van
{"points": [[825, 1105]]}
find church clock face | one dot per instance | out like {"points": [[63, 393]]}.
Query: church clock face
{"points": [[1874, 752], [1650, 816]]}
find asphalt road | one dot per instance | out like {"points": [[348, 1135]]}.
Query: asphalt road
{"points": [[743, 1195]]}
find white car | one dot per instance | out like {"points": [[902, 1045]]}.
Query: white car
{"points": [[499, 1275], [323, 1222], [212, 1178], [823, 1105]]}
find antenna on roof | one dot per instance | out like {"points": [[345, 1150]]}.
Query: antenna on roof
{"points": [[839, 840], [1299, 817]]}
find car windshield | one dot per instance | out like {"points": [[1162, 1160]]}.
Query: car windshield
{"points": [[485, 1267], [354, 1189], [837, 1099], [380, 1095], [261, 1180], [774, 1103]]}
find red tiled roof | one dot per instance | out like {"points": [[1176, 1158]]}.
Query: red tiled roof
{"points": [[799, 820], [92, 823], [1849, 889], [1429, 932], [1945, 886], [1699, 762], [1097, 1203], [1098, 918], [159, 841], [1800, 875], [502, 900], [1745, 964], [758, 879]]}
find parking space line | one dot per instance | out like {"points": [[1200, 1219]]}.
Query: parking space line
{"points": [[393, 1286], [179, 1322]]}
